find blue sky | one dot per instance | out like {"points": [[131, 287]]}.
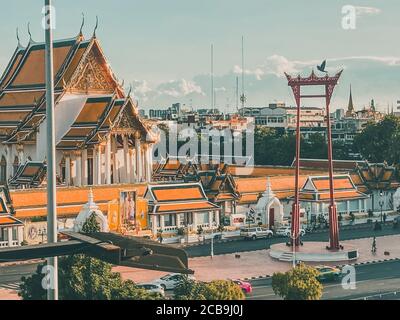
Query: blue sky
{"points": [[162, 47]]}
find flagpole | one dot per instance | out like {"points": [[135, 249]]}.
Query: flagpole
{"points": [[52, 263]]}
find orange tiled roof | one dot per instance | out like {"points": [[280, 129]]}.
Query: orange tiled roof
{"points": [[248, 198], [225, 196], [178, 193], [338, 183], [268, 171], [9, 221], [278, 183], [343, 195]]}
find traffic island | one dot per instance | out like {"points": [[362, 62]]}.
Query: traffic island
{"points": [[313, 252]]}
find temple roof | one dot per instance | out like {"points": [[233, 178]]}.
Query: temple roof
{"points": [[182, 197], [317, 189], [80, 67], [30, 174]]}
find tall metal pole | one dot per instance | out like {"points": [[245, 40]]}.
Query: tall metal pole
{"points": [[243, 97], [52, 291], [237, 94], [295, 208], [212, 76], [333, 222]]}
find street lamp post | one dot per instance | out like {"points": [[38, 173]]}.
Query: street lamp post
{"points": [[212, 239], [52, 291], [381, 203]]}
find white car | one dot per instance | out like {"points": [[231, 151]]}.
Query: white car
{"points": [[170, 281], [287, 231], [156, 288], [255, 233]]}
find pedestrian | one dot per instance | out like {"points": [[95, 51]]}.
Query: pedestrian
{"points": [[374, 245], [161, 238], [384, 218]]}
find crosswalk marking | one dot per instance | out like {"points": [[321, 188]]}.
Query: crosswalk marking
{"points": [[10, 286]]}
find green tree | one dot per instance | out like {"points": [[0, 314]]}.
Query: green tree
{"points": [[189, 290], [91, 225], [380, 141], [214, 290], [315, 147], [300, 283], [84, 278], [223, 290]]}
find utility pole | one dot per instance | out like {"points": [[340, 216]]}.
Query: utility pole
{"points": [[243, 96], [212, 77], [52, 263], [237, 94]]}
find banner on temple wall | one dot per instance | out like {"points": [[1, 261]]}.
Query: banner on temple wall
{"points": [[141, 213], [114, 222], [127, 203]]}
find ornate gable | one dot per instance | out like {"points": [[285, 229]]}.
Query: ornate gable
{"points": [[93, 74]]}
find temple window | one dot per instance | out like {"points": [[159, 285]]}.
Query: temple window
{"points": [[15, 165], [90, 171], [3, 170], [62, 169], [3, 234]]}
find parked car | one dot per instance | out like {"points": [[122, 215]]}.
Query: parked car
{"points": [[256, 233], [327, 273], [170, 281], [287, 231], [156, 288], [245, 286]]}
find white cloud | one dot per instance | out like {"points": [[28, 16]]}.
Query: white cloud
{"points": [[220, 89], [141, 89], [258, 73], [367, 11], [390, 61], [174, 88], [278, 65], [179, 88]]}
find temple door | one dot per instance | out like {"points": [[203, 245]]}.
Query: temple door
{"points": [[271, 220]]}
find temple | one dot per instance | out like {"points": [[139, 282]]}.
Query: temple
{"points": [[99, 135]]}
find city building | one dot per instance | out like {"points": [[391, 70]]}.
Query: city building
{"points": [[278, 115]]}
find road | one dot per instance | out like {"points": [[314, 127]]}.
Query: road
{"points": [[371, 279], [10, 276], [249, 245]]}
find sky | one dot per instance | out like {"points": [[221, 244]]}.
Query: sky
{"points": [[162, 47]]}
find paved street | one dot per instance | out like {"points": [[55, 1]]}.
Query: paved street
{"points": [[371, 280], [248, 245]]}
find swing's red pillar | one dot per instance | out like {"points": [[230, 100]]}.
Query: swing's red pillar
{"points": [[329, 83]]}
